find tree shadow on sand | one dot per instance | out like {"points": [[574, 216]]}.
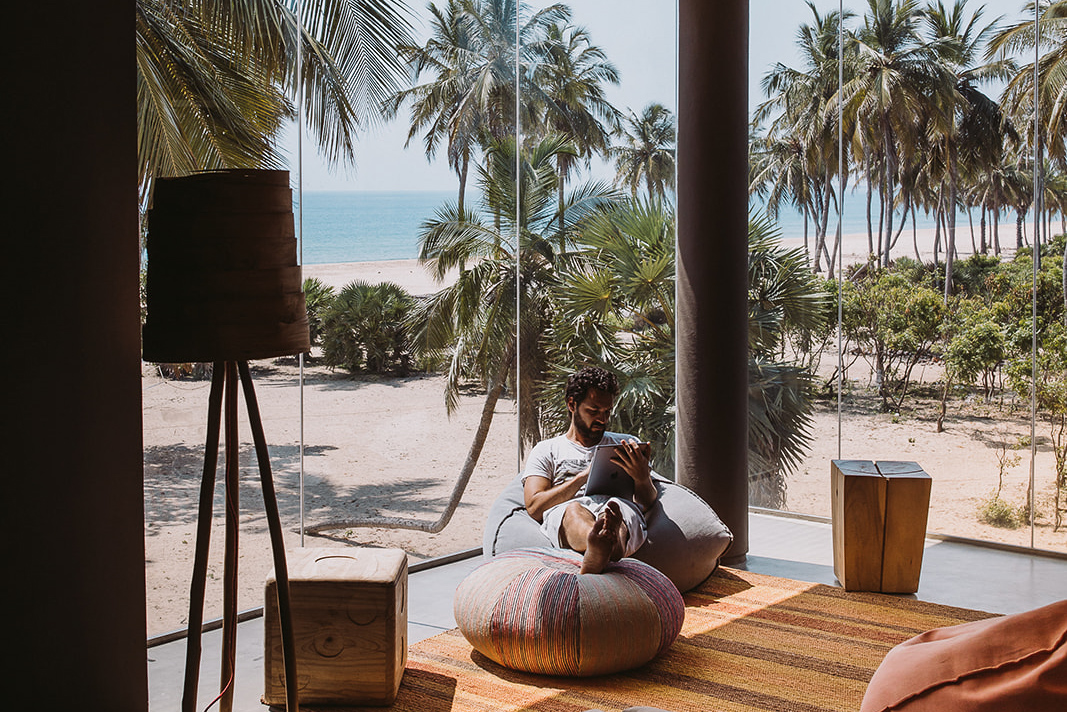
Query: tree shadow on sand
{"points": [[173, 476]]}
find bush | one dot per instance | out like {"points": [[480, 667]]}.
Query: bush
{"points": [[894, 323], [998, 513], [317, 298], [363, 329]]}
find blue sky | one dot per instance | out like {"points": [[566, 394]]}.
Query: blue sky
{"points": [[639, 37]]}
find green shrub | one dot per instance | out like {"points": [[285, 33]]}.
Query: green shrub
{"points": [[317, 297], [363, 329], [894, 323], [998, 513]]}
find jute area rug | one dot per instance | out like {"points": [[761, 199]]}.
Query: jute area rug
{"points": [[749, 642]]}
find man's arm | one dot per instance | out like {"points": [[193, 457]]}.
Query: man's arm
{"points": [[539, 495]]}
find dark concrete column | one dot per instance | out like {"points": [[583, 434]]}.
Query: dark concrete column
{"points": [[712, 341], [73, 502]]}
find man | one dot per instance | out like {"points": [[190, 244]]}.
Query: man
{"points": [[601, 528]]}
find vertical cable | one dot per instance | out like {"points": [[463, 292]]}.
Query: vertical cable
{"points": [[1038, 194], [518, 271], [300, 225], [840, 211]]}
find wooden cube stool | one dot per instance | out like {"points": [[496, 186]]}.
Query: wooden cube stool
{"points": [[879, 524], [349, 611]]}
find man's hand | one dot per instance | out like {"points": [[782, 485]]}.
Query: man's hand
{"points": [[633, 459], [539, 496]]}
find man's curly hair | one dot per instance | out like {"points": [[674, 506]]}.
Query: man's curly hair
{"points": [[578, 384]]}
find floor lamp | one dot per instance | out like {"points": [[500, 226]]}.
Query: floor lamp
{"points": [[223, 286]]}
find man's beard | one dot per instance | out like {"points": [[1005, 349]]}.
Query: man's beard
{"points": [[586, 430]]}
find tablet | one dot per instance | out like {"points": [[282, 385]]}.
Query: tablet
{"points": [[605, 477]]}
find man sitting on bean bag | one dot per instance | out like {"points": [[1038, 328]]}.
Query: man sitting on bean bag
{"points": [[600, 527]]}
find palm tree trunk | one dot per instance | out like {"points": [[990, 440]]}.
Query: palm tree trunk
{"points": [[915, 236], [870, 235], [807, 251], [996, 230], [825, 217], [890, 173], [950, 214], [982, 233], [937, 233], [970, 220], [903, 222], [464, 166]]}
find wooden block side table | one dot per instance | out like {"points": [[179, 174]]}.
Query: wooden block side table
{"points": [[907, 508], [349, 610], [858, 522]]}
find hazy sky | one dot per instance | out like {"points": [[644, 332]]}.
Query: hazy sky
{"points": [[638, 37]]}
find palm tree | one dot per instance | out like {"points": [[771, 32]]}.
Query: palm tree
{"points": [[778, 174], [802, 138], [616, 310], [971, 122], [216, 81], [473, 323], [571, 76], [782, 296], [1052, 75], [468, 101], [647, 151], [895, 76]]}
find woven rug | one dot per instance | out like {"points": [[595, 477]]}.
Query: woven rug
{"points": [[749, 642]]}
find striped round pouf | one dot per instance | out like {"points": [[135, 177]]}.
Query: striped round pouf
{"points": [[530, 609]]}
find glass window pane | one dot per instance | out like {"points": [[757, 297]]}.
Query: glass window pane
{"points": [[938, 230]]}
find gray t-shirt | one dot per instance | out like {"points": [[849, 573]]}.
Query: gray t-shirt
{"points": [[559, 459]]}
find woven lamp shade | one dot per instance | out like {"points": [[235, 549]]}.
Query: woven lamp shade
{"points": [[223, 281], [530, 610]]}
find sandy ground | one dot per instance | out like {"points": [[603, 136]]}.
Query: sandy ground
{"points": [[386, 447]]}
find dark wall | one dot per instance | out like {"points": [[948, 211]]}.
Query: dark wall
{"points": [[72, 505]]}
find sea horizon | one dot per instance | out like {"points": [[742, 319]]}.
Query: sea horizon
{"points": [[342, 226]]}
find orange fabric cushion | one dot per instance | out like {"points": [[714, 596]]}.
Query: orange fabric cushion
{"points": [[1006, 664]]}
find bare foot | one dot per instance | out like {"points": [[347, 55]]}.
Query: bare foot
{"points": [[604, 542]]}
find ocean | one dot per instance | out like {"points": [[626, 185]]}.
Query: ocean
{"points": [[370, 226], [366, 226]]}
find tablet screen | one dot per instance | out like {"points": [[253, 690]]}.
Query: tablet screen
{"points": [[605, 477]]}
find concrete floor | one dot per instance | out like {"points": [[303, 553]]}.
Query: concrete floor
{"points": [[953, 573]]}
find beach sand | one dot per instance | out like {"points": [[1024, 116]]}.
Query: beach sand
{"points": [[409, 274], [386, 447]]}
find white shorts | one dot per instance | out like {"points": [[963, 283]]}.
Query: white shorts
{"points": [[552, 520]]}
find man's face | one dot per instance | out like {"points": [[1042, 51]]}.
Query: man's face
{"points": [[590, 417]]}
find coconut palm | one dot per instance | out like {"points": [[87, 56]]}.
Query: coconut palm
{"points": [[468, 98], [217, 81], [646, 153], [895, 76], [473, 322], [969, 122], [1052, 75], [803, 135], [571, 76]]}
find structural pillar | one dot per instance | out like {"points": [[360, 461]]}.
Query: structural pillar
{"points": [[712, 260]]}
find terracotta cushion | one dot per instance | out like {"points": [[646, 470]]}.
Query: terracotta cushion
{"points": [[1015, 663]]}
